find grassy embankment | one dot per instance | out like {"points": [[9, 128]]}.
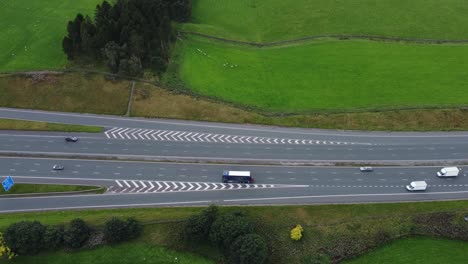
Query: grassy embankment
{"points": [[23, 188], [65, 92], [321, 223], [273, 20], [417, 251], [12, 124]]}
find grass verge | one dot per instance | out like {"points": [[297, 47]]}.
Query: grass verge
{"points": [[13, 124], [152, 101], [325, 75], [417, 250], [321, 223], [24, 188], [129, 253], [271, 20], [85, 93]]}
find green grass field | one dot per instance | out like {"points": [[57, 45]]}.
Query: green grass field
{"points": [[271, 20], [22, 188], [32, 31], [326, 75], [129, 253], [417, 251]]}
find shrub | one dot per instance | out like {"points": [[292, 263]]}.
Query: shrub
{"points": [[296, 233], [382, 237], [198, 226], [76, 234], [53, 237], [440, 224], [249, 249], [228, 227], [5, 251], [25, 238], [316, 259], [346, 246], [134, 228], [117, 230]]}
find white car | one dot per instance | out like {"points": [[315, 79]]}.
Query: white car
{"points": [[366, 169]]}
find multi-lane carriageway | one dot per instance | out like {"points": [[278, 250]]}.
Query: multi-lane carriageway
{"points": [[182, 184], [162, 184]]}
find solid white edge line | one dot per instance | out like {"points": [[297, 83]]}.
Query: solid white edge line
{"points": [[101, 206], [340, 195]]}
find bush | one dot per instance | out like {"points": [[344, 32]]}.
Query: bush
{"points": [[117, 230], [228, 227], [53, 237], [249, 249], [25, 238], [316, 259], [198, 226], [347, 246], [382, 237], [134, 228], [440, 224], [5, 251], [76, 234], [296, 233]]}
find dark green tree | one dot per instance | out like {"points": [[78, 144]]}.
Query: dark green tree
{"points": [[228, 227], [76, 234], [248, 249], [198, 226], [25, 237], [53, 237]]}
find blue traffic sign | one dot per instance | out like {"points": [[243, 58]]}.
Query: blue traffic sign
{"points": [[8, 183]]}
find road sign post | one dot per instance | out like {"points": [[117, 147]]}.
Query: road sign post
{"points": [[8, 183]]}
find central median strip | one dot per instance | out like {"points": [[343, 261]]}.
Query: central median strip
{"points": [[34, 189], [218, 160]]}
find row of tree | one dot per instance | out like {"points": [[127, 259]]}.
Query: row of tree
{"points": [[129, 36], [232, 232], [32, 237]]}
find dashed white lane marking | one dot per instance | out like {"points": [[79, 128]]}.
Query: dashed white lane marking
{"points": [[124, 186], [180, 136]]}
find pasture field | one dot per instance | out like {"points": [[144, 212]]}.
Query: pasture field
{"points": [[273, 20], [32, 31], [326, 75], [417, 251]]}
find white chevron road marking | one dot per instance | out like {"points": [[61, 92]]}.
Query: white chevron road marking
{"points": [[181, 136]]}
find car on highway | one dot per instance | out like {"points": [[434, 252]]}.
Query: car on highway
{"points": [[71, 139], [366, 169], [58, 167]]}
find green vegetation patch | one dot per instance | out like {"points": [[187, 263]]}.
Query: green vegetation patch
{"points": [[23, 188], [152, 101], [32, 31], [12, 124], [272, 20], [418, 251], [85, 93], [325, 75], [129, 253]]}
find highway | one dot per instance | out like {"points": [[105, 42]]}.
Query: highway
{"points": [[137, 183]]}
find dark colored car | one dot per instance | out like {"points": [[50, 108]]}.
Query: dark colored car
{"points": [[58, 167], [71, 139]]}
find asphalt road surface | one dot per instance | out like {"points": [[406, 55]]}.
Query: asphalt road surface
{"points": [[133, 184]]}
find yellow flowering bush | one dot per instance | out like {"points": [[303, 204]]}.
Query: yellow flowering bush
{"points": [[5, 252], [296, 233]]}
